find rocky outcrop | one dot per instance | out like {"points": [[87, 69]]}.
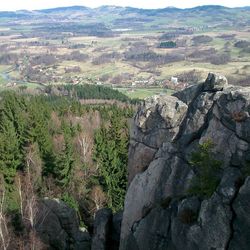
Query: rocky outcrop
{"points": [[102, 229], [107, 229], [58, 226], [159, 118], [160, 213], [240, 238]]}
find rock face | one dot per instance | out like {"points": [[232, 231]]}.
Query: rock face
{"points": [[107, 229], [157, 120], [58, 226], [159, 211], [102, 229]]}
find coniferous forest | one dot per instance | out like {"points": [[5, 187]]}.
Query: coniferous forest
{"points": [[53, 146]]}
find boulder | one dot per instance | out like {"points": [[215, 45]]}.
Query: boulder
{"points": [[215, 82], [168, 110], [58, 226], [188, 94]]}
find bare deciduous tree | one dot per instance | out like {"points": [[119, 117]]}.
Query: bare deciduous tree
{"points": [[98, 197], [4, 232]]}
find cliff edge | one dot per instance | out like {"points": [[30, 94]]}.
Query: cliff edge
{"points": [[162, 211]]}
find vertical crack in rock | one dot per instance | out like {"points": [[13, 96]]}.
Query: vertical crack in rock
{"points": [[231, 222], [233, 213], [205, 113]]}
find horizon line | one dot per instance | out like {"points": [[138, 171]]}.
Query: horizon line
{"points": [[119, 6]]}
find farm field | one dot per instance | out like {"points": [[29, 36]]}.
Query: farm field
{"points": [[141, 93], [95, 46]]}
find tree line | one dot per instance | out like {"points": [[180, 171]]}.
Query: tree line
{"points": [[89, 91], [52, 146]]}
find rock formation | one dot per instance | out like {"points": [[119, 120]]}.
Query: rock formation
{"points": [[107, 228], [102, 229], [58, 226], [160, 213]]}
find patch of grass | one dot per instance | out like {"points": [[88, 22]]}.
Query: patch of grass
{"points": [[142, 93], [2, 80], [4, 68]]}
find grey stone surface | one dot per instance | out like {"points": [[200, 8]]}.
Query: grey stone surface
{"points": [[156, 121], [116, 230], [241, 229], [159, 212], [102, 229], [140, 156], [58, 226], [169, 108], [188, 94], [215, 82]]}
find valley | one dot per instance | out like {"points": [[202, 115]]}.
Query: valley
{"points": [[125, 48], [125, 128]]}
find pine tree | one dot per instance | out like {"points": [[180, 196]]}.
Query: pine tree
{"points": [[10, 157], [65, 160], [111, 145]]}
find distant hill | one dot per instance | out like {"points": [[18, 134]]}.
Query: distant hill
{"points": [[123, 10], [124, 16], [65, 9]]}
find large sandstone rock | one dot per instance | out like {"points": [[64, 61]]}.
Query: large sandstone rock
{"points": [[159, 213], [215, 82], [168, 110], [116, 231], [102, 229], [58, 226], [157, 121], [107, 229], [241, 228], [189, 94]]}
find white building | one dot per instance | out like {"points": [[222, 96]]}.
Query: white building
{"points": [[174, 80]]}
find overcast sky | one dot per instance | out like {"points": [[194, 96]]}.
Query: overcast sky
{"points": [[43, 4]]}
